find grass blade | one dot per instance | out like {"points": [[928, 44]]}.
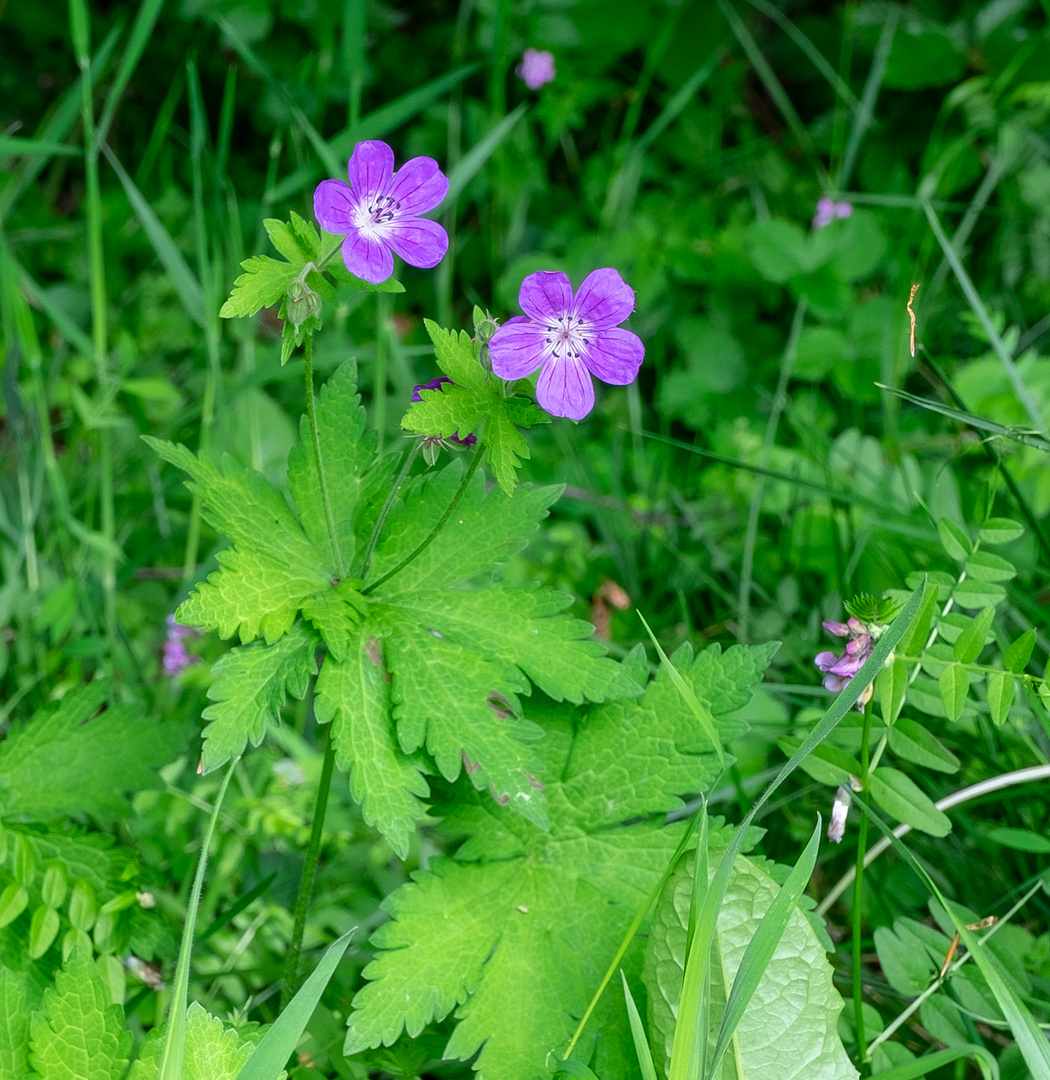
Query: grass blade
{"points": [[175, 1037], [182, 278], [141, 31], [277, 1045], [472, 162], [13, 146], [698, 709], [641, 1043], [236, 908], [911, 1070], [762, 946]]}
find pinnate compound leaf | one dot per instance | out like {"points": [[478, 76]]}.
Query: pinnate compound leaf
{"points": [[347, 451], [970, 643], [1001, 531], [782, 1036], [522, 923], [79, 1035], [250, 688], [907, 969], [1020, 652], [954, 682], [1001, 686], [65, 760], [353, 695], [899, 796], [912, 742]]}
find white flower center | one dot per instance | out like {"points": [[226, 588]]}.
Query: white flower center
{"points": [[376, 214], [567, 337]]}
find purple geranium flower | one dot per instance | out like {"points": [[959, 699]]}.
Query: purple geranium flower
{"points": [[536, 68], [828, 210], [174, 657], [838, 670], [571, 338], [378, 211]]}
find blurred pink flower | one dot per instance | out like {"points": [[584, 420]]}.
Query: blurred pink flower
{"points": [[536, 68], [828, 210]]}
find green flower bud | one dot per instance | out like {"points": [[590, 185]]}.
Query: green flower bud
{"points": [[302, 303]]}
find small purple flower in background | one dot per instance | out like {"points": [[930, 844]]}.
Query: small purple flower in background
{"points": [[838, 670], [174, 657], [839, 813], [571, 338], [536, 68], [828, 210], [378, 212]]}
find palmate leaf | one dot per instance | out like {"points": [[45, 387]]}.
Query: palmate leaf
{"points": [[476, 397], [64, 762], [251, 685], [522, 923], [784, 1034], [213, 1050]]}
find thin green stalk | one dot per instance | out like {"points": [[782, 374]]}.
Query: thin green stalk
{"points": [[311, 412], [377, 529], [858, 893], [429, 538], [306, 883], [81, 29]]}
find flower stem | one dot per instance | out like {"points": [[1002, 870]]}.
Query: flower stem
{"points": [[377, 529], [429, 538], [858, 894], [306, 883], [311, 412]]}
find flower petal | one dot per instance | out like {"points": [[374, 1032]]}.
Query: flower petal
{"points": [[564, 388], [825, 659], [371, 167], [604, 299], [418, 241], [368, 258], [419, 185], [334, 205], [615, 356], [517, 348], [545, 295], [839, 629]]}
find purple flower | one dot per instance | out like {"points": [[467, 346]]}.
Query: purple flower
{"points": [[828, 210], [840, 669], [174, 657], [378, 212], [536, 68], [571, 338]]}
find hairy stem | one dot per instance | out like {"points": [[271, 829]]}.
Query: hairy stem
{"points": [[311, 412], [858, 894], [377, 529], [429, 538], [306, 883]]}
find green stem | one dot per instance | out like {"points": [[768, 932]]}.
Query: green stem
{"points": [[377, 529], [858, 893], [306, 883], [311, 412], [429, 539]]}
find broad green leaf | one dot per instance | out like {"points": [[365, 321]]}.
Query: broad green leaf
{"points": [[1020, 652], [1001, 531], [899, 795], [504, 443], [464, 708], [954, 682], [913, 742], [914, 640], [56, 764], [1001, 686], [353, 694], [79, 1035], [955, 542], [984, 566], [250, 688], [347, 452], [456, 356], [971, 594], [765, 1045], [907, 969], [213, 1050], [16, 1006], [891, 687], [277, 1045], [524, 923], [970, 643]]}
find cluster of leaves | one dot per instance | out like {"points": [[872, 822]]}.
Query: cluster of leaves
{"points": [[421, 675]]}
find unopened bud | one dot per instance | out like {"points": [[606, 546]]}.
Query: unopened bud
{"points": [[839, 813], [302, 302]]}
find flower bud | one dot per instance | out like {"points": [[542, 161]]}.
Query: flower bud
{"points": [[302, 303]]}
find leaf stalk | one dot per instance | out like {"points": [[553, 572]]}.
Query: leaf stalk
{"points": [[311, 412]]}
